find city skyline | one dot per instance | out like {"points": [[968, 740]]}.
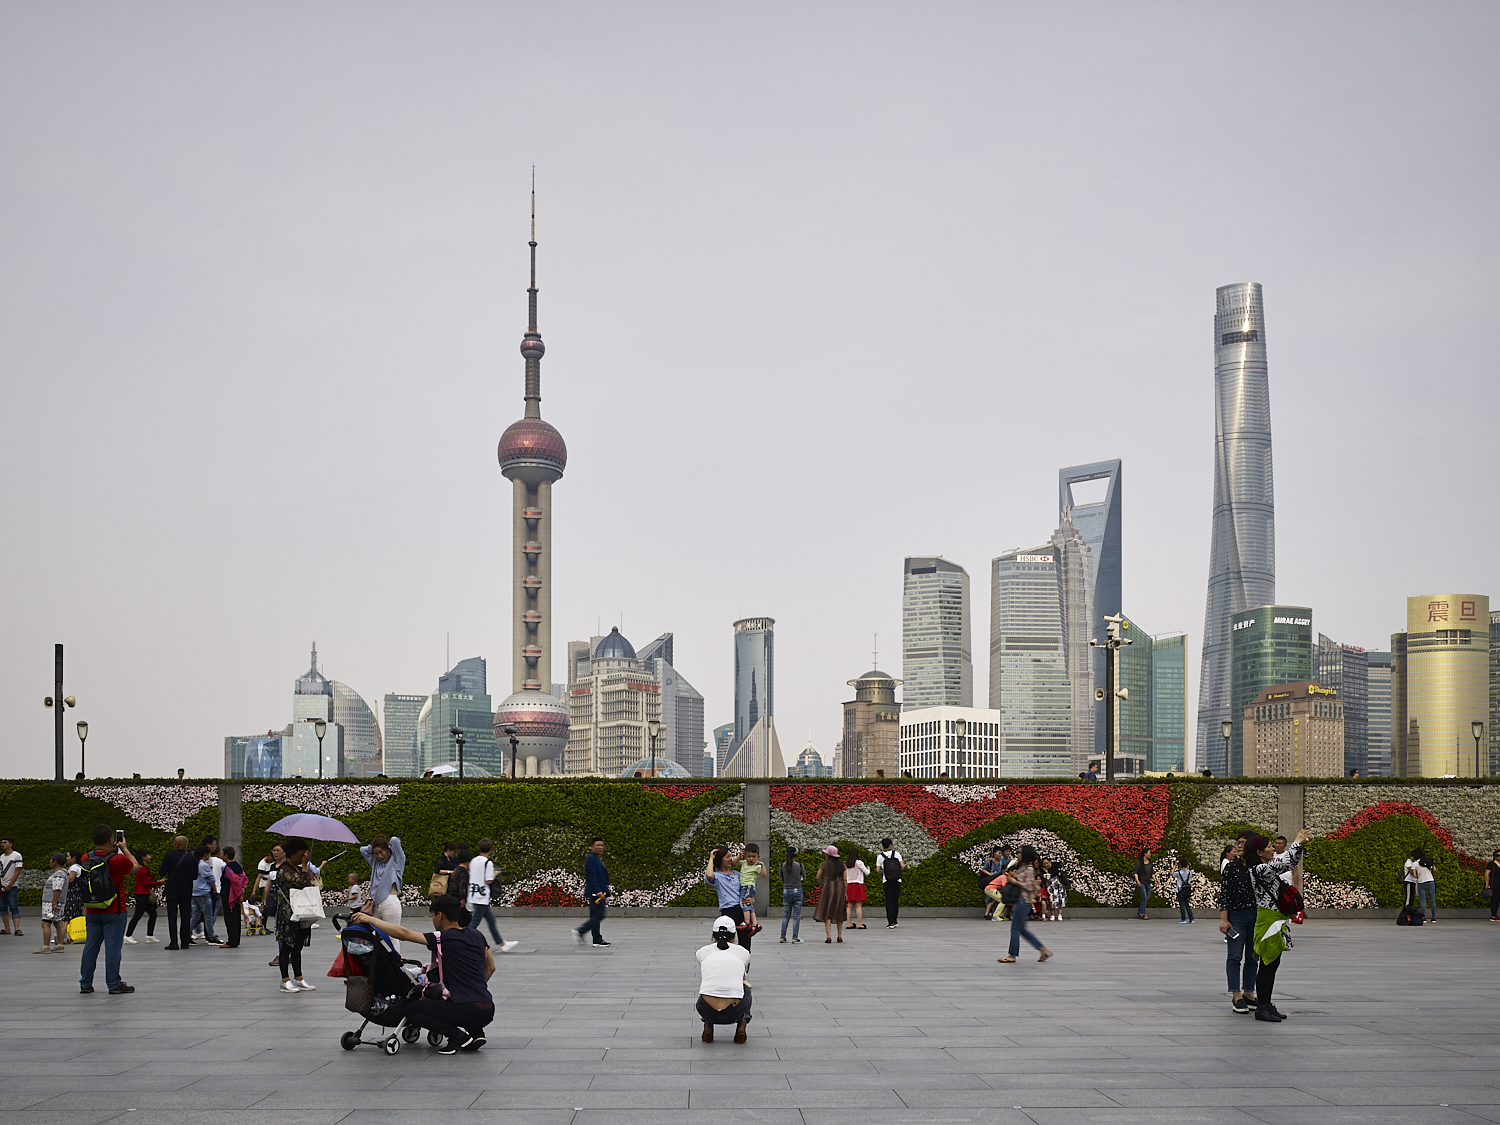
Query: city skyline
{"points": [[228, 322]]}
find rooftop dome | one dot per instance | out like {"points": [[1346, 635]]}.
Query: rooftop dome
{"points": [[664, 768], [614, 645], [532, 441]]}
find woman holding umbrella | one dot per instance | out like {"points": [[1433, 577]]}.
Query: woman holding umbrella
{"points": [[295, 872]]}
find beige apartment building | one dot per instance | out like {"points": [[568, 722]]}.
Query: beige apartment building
{"points": [[1294, 730]]}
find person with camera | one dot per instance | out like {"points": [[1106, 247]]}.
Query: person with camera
{"points": [[1271, 938], [458, 1004], [723, 987], [103, 880]]}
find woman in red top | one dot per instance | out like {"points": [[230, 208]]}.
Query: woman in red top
{"points": [[143, 904]]}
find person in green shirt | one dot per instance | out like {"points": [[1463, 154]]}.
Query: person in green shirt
{"points": [[750, 868]]}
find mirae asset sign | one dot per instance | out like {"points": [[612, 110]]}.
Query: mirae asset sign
{"points": [[1291, 621]]}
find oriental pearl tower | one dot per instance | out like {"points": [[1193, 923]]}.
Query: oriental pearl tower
{"points": [[532, 456]]}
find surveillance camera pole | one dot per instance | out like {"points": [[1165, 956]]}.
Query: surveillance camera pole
{"points": [[1112, 642], [59, 713]]}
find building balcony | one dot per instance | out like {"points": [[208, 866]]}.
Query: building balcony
{"points": [[531, 582], [531, 548], [532, 514]]}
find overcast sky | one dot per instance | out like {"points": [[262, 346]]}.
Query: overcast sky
{"points": [[822, 285]]}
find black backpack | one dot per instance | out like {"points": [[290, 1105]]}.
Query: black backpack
{"points": [[890, 867], [99, 890], [1410, 916]]}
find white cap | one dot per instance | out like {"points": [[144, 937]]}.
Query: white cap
{"points": [[723, 922]]}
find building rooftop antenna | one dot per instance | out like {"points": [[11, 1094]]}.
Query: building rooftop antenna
{"points": [[875, 654]]}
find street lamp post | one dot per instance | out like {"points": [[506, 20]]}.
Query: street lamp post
{"points": [[1226, 728], [1477, 727], [320, 728], [653, 729], [458, 737], [514, 744], [961, 729], [83, 736], [62, 704]]}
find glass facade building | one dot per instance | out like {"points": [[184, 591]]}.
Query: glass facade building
{"points": [[1098, 523], [754, 678], [1444, 680], [1272, 644], [1168, 703], [1137, 726], [401, 755], [1378, 714], [1028, 647], [1242, 555], [1345, 668], [937, 658], [251, 756], [362, 745], [1075, 572]]}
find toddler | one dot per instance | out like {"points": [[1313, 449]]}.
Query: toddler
{"points": [[355, 898], [750, 868]]}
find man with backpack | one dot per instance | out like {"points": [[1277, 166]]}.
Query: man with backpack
{"points": [[483, 880], [103, 879], [889, 862]]}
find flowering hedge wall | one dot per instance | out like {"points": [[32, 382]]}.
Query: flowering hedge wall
{"points": [[659, 833]]}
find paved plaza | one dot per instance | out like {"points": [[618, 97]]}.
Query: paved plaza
{"points": [[1129, 1023]]}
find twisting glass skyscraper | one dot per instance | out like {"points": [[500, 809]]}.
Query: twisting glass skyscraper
{"points": [[1242, 558]]}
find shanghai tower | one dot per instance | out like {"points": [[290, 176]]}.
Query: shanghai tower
{"points": [[1242, 558]]}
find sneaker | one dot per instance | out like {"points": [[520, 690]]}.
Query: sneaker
{"points": [[783, 941], [288, 986], [152, 940], [507, 946], [1267, 1017], [122, 989], [48, 949], [798, 941], [197, 933], [449, 1047], [305, 986], [130, 941], [600, 944], [1252, 1003], [85, 988], [1239, 1006], [473, 1043], [1182, 921], [317, 925]]}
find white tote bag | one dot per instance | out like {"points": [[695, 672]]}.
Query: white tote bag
{"points": [[306, 904]]}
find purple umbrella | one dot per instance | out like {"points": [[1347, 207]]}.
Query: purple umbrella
{"points": [[314, 827]]}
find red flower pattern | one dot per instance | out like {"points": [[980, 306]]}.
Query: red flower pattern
{"points": [[1371, 813], [680, 792], [548, 896], [1129, 817]]}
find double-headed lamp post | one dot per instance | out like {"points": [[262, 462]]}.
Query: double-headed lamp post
{"points": [[1476, 727], [515, 744], [83, 736], [320, 728], [1226, 728], [458, 737], [961, 729], [653, 729]]}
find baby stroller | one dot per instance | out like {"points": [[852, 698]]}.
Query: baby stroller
{"points": [[384, 982]]}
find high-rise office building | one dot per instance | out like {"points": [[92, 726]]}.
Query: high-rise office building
{"points": [[253, 755], [1378, 714], [1494, 725], [1168, 703], [1242, 556], [362, 742], [1294, 730], [312, 700], [934, 744], [462, 701], [810, 764], [754, 678], [1440, 686], [681, 707], [1346, 669], [1075, 561], [532, 457], [1098, 522], [400, 754], [872, 726], [723, 739], [937, 658], [611, 707], [1028, 665], [1137, 724], [1272, 644]]}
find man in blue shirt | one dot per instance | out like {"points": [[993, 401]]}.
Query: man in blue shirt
{"points": [[595, 891], [203, 896]]}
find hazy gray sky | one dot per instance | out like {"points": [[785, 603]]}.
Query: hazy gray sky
{"points": [[822, 285]]}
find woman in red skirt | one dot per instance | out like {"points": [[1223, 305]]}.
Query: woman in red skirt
{"points": [[854, 879]]}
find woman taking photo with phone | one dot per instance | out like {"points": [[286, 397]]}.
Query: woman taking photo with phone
{"points": [[1271, 939]]}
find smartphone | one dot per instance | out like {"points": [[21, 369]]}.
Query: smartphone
{"points": [[119, 835], [1233, 933]]}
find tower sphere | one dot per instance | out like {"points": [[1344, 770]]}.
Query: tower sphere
{"points": [[532, 347], [531, 449]]}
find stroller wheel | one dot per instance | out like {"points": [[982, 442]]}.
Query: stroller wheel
{"points": [[411, 1034], [391, 1045], [349, 1041], [434, 1038]]}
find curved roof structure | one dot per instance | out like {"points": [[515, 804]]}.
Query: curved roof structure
{"points": [[614, 645]]}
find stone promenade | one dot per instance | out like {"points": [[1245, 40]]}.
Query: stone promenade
{"points": [[1129, 1023]]}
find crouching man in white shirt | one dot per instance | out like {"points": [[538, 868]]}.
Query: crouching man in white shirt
{"points": [[724, 991]]}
